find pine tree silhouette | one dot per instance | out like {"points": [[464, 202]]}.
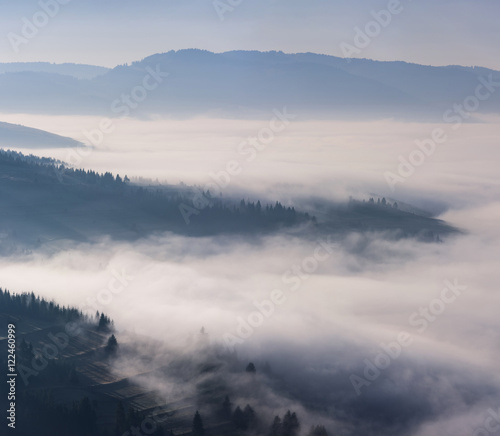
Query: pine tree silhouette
{"points": [[198, 429]]}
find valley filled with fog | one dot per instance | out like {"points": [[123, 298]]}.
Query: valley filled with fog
{"points": [[249, 218], [313, 309]]}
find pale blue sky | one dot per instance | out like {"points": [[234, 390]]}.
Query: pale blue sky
{"points": [[111, 32]]}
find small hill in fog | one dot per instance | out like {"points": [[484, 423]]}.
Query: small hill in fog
{"points": [[78, 71], [42, 200], [17, 136]]}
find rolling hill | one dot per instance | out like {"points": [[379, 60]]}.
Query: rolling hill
{"points": [[42, 201], [79, 71], [242, 84], [17, 136]]}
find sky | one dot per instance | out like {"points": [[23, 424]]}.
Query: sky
{"points": [[431, 32]]}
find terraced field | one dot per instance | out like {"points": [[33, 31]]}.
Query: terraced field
{"points": [[106, 383]]}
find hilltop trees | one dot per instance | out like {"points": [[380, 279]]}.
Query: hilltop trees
{"points": [[172, 206], [28, 304], [225, 411], [382, 202], [250, 417], [239, 419], [317, 430], [289, 426], [112, 345], [251, 368], [247, 215], [276, 427], [104, 322], [244, 419], [198, 429]]}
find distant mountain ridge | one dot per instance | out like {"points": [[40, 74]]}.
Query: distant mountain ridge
{"points": [[249, 84], [78, 71]]}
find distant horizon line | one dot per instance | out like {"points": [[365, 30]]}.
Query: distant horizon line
{"points": [[244, 51]]}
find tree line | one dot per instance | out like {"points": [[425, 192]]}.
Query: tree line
{"points": [[165, 204]]}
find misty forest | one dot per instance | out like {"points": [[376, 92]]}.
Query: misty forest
{"points": [[249, 218], [68, 357]]}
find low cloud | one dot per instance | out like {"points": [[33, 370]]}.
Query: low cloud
{"points": [[363, 294]]}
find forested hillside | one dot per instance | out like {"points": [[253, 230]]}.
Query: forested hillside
{"points": [[68, 384], [42, 200]]}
